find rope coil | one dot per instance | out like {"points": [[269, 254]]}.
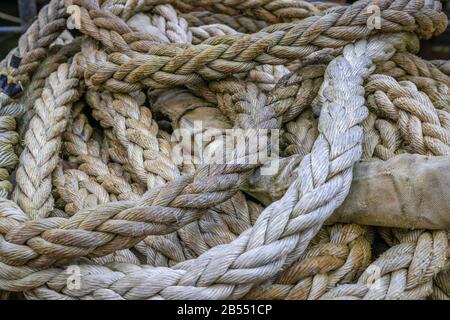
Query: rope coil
{"points": [[97, 185]]}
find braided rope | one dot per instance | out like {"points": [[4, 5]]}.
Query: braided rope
{"points": [[154, 248], [240, 24], [422, 68], [411, 281], [184, 110], [338, 257], [33, 190], [145, 143], [221, 225], [201, 236], [406, 271], [178, 66], [34, 90], [85, 151], [9, 138], [33, 45], [424, 129], [442, 65], [176, 108], [376, 49], [164, 24], [78, 191], [301, 133], [262, 9]]}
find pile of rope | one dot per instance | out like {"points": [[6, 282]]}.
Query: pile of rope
{"points": [[94, 90]]}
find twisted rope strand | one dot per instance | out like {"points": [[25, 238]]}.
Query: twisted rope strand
{"points": [[386, 286], [337, 258], [99, 186], [262, 9], [232, 54], [356, 62], [85, 151], [404, 271], [33, 44], [33, 190], [442, 65], [238, 23], [8, 140], [423, 128]]}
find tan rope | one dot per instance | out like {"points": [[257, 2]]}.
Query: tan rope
{"points": [[9, 138], [406, 66], [364, 49], [158, 163], [221, 225], [406, 270], [184, 109], [34, 90], [32, 46], [337, 257], [101, 104], [442, 65], [423, 74], [164, 24], [175, 66], [301, 134], [79, 191], [393, 142], [420, 67], [424, 129], [199, 234], [239, 23], [86, 152], [262, 9], [155, 248], [33, 190]]}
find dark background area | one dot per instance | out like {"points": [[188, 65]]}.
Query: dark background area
{"points": [[437, 48]]}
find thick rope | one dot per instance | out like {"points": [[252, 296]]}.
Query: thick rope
{"points": [[33, 45], [177, 66], [404, 271], [38, 81], [442, 65], [406, 66], [262, 9], [338, 257], [423, 74], [187, 223], [33, 190], [377, 49], [424, 129], [407, 285], [240, 24], [9, 139], [85, 151], [145, 144]]}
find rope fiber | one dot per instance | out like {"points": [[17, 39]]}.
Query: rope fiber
{"points": [[105, 98]]}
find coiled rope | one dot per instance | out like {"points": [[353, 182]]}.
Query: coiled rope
{"points": [[96, 185]]}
